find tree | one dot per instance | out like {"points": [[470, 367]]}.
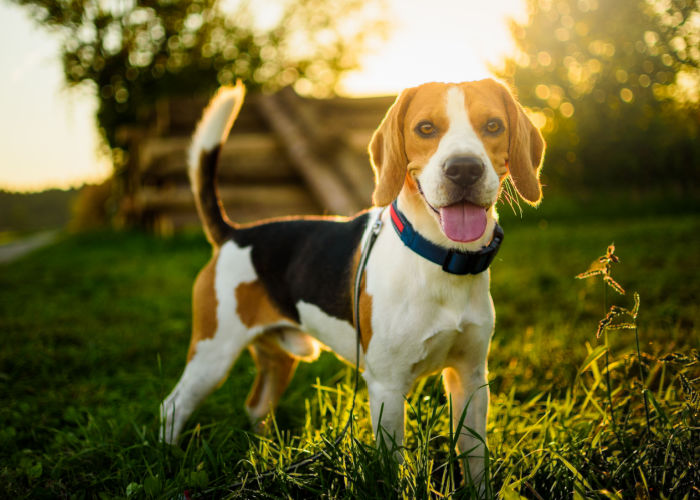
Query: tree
{"points": [[133, 52], [611, 83]]}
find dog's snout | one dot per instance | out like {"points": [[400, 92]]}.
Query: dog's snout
{"points": [[464, 170]]}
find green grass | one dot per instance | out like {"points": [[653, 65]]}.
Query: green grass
{"points": [[95, 330]]}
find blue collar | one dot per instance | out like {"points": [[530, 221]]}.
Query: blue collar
{"points": [[452, 261]]}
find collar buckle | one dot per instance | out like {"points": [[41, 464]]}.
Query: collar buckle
{"points": [[456, 262]]}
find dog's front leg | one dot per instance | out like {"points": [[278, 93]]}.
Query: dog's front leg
{"points": [[386, 407], [468, 391], [467, 387]]}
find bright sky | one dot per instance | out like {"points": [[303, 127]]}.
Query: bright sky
{"points": [[48, 136]]}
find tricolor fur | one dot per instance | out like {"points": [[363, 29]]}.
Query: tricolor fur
{"points": [[283, 288]]}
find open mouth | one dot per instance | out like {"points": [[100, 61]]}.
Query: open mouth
{"points": [[462, 221]]}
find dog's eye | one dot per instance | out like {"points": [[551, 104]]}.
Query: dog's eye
{"points": [[494, 126], [426, 129]]}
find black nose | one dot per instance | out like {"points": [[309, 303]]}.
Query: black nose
{"points": [[464, 170]]}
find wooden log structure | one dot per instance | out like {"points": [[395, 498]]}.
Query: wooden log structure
{"points": [[286, 155], [318, 175]]}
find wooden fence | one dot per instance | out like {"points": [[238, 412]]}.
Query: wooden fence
{"points": [[286, 155]]}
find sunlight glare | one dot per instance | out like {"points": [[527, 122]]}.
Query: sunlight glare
{"points": [[442, 40]]}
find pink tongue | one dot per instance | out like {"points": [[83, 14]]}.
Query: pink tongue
{"points": [[463, 221]]}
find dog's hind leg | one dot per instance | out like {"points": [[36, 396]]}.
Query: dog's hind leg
{"points": [[276, 355], [206, 370], [217, 341], [275, 369]]}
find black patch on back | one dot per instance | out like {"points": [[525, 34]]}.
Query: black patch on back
{"points": [[306, 259]]}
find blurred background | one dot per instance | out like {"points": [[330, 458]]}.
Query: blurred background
{"points": [[100, 97]]}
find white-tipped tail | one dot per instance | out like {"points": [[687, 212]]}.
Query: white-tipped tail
{"points": [[210, 135], [215, 125]]}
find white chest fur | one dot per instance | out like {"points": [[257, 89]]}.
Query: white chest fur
{"points": [[422, 317]]}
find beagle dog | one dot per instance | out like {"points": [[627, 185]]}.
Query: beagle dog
{"points": [[284, 288]]}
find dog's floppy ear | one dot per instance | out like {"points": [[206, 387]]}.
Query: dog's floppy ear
{"points": [[525, 150], [387, 152]]}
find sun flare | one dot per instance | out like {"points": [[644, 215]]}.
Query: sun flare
{"points": [[444, 40]]}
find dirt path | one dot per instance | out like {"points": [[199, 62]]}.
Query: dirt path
{"points": [[16, 249]]}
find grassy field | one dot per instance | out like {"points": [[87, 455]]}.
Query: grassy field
{"points": [[95, 331]]}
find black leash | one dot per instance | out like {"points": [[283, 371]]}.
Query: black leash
{"points": [[364, 257]]}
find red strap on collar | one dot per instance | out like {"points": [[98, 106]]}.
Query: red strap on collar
{"points": [[398, 223]]}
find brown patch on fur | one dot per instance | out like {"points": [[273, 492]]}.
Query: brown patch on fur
{"points": [[410, 184], [204, 303], [395, 147], [525, 143], [387, 151], [428, 104], [275, 369], [254, 307], [365, 316], [365, 303], [484, 102]]}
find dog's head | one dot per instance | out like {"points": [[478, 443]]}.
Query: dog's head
{"points": [[445, 149]]}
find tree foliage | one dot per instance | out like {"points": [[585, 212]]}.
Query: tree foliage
{"points": [[614, 86], [133, 52]]}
